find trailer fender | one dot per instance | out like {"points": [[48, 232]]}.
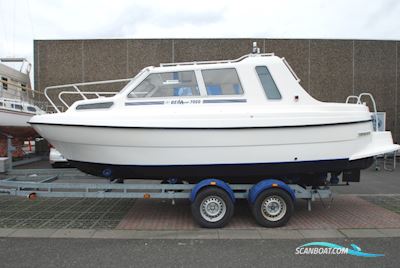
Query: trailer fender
{"points": [[266, 184], [213, 183]]}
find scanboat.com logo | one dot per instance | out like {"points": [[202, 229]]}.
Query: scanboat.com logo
{"points": [[325, 248]]}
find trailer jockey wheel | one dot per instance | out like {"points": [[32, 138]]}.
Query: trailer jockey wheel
{"points": [[273, 208], [212, 208]]}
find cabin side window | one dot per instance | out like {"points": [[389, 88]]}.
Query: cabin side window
{"points": [[4, 83], [167, 85], [17, 106], [31, 109], [268, 84], [222, 82]]}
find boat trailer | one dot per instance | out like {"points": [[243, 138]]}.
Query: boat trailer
{"points": [[271, 201]]}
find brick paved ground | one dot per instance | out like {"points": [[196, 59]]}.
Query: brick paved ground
{"points": [[343, 212], [60, 213]]}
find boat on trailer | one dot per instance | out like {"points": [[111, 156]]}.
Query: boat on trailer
{"points": [[18, 103], [240, 120]]}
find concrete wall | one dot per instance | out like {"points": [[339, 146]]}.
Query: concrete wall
{"points": [[329, 69]]}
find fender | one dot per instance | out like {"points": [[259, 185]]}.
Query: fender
{"points": [[266, 184], [214, 183]]}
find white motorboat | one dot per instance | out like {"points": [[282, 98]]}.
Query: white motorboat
{"points": [[241, 120], [16, 98]]}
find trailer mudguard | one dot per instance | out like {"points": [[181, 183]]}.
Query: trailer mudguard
{"points": [[266, 184], [214, 183]]}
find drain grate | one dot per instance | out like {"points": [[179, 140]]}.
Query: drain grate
{"points": [[63, 212]]}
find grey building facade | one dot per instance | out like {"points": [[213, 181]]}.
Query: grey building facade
{"points": [[329, 70]]}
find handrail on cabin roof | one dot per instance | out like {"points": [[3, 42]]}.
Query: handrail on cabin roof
{"points": [[215, 61]]}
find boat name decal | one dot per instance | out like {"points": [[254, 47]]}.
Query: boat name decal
{"points": [[185, 101]]}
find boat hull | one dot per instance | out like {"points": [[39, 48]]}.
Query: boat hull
{"points": [[242, 155], [15, 123], [305, 172]]}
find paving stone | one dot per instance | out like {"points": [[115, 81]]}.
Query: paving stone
{"points": [[33, 233], [55, 224], [10, 223], [101, 209], [106, 224], [46, 215], [82, 224], [115, 234], [32, 223], [197, 234], [6, 214], [280, 234], [238, 234], [90, 216], [331, 233], [361, 233], [4, 232], [67, 216], [23, 215], [73, 233], [140, 234], [113, 216], [390, 232]]}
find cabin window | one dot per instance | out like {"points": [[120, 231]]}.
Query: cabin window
{"points": [[222, 82], [23, 87], [100, 105], [270, 88], [4, 84], [170, 84], [16, 106], [31, 109]]}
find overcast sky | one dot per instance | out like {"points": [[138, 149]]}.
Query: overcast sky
{"points": [[21, 21]]}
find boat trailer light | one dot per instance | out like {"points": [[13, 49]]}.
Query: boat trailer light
{"points": [[213, 183], [275, 185], [32, 196], [146, 196]]}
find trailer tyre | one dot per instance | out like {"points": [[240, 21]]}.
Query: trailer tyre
{"points": [[212, 208], [273, 208]]}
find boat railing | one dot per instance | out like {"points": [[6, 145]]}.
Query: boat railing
{"points": [[20, 95], [215, 61], [358, 100], [63, 92]]}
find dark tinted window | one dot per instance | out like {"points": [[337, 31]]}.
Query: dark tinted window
{"points": [[270, 88], [31, 109], [100, 105], [16, 106]]}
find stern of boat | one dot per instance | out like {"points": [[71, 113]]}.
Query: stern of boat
{"points": [[381, 142]]}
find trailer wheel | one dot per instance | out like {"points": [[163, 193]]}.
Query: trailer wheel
{"points": [[212, 208], [273, 208]]}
